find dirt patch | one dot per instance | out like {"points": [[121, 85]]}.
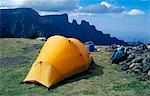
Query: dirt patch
{"points": [[37, 46], [31, 48], [14, 61]]}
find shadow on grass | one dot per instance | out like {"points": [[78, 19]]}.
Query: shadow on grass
{"points": [[94, 70]]}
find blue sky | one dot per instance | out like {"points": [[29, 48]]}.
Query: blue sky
{"points": [[124, 19], [126, 27], [130, 4]]}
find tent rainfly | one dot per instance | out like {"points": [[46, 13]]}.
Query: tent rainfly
{"points": [[58, 59]]}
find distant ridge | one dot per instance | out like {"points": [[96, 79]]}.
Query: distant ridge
{"points": [[21, 22]]}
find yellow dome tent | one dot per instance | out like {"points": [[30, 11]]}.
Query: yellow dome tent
{"points": [[59, 58]]}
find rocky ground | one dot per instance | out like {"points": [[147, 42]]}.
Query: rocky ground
{"points": [[137, 62]]}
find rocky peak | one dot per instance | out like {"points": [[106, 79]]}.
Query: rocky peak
{"points": [[83, 22], [74, 22]]}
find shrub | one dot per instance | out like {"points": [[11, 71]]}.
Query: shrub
{"points": [[34, 35]]}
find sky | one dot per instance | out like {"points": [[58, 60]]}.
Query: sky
{"points": [[128, 20]]}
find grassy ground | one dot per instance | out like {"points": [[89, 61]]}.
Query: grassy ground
{"points": [[102, 79]]}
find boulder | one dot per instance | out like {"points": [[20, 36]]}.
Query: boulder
{"points": [[41, 38], [132, 65], [129, 51], [137, 59], [144, 61], [109, 49], [131, 56], [148, 73], [142, 47], [98, 49], [137, 71], [148, 46], [145, 67], [122, 63], [136, 66], [128, 63], [148, 56], [138, 51], [124, 67], [129, 71]]}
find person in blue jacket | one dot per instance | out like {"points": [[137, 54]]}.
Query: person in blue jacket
{"points": [[118, 56]]}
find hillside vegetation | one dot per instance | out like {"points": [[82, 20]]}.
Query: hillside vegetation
{"points": [[102, 79]]}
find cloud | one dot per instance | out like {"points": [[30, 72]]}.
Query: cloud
{"points": [[103, 7], [42, 13], [71, 7], [42, 5], [134, 12], [108, 5], [80, 14], [74, 14]]}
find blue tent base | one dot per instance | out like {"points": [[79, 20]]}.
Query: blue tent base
{"points": [[90, 47]]}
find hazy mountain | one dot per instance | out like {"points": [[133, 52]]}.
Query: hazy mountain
{"points": [[22, 22]]}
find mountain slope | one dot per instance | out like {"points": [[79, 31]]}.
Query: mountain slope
{"points": [[22, 22]]}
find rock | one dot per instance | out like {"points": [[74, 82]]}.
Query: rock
{"points": [[137, 71], [132, 65], [129, 51], [41, 38], [148, 56], [135, 67], [142, 47], [132, 73], [146, 51], [138, 64], [148, 73], [144, 61], [145, 67], [148, 60], [128, 63], [131, 56], [124, 67], [137, 59], [98, 49], [122, 63], [144, 55], [134, 48], [129, 71], [109, 49], [138, 52]]}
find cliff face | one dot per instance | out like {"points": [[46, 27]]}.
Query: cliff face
{"points": [[21, 22]]}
